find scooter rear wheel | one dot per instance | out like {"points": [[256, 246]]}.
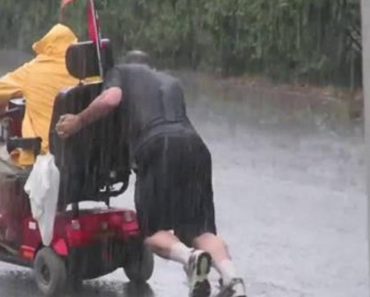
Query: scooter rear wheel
{"points": [[50, 272], [139, 265]]}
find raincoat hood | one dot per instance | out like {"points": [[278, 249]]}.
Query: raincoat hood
{"points": [[55, 42], [39, 81]]}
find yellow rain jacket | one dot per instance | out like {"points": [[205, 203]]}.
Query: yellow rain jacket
{"points": [[39, 81]]}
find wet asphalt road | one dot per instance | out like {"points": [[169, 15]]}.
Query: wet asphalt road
{"points": [[290, 201]]}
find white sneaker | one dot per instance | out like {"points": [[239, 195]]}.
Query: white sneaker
{"points": [[235, 288], [197, 269]]}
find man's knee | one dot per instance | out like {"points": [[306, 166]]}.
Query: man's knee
{"points": [[161, 242], [202, 227], [210, 240]]}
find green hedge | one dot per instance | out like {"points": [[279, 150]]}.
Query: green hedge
{"points": [[292, 40]]}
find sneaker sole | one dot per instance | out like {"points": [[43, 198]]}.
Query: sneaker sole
{"points": [[202, 287], [230, 290], [204, 265]]}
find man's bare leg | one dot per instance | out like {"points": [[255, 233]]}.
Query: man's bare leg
{"points": [[166, 245], [197, 263], [222, 262]]}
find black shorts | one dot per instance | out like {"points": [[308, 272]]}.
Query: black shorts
{"points": [[174, 187]]}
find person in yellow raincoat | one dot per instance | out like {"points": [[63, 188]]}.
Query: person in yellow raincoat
{"points": [[39, 81]]}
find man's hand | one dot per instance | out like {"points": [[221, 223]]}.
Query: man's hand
{"points": [[68, 125], [100, 107]]}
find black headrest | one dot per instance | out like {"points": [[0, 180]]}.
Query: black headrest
{"points": [[82, 59]]}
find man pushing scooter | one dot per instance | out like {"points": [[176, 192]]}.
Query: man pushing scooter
{"points": [[173, 169]]}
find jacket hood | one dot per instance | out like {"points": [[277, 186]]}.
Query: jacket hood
{"points": [[55, 42]]}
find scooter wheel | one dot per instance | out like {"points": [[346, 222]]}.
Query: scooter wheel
{"points": [[50, 272], [139, 265]]}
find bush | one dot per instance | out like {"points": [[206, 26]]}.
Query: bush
{"points": [[291, 40]]}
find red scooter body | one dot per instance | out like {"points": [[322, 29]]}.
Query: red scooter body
{"points": [[86, 243]]}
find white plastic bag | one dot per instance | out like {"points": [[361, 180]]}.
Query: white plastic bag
{"points": [[42, 188]]}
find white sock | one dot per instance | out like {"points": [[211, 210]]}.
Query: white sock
{"points": [[179, 252], [227, 270]]}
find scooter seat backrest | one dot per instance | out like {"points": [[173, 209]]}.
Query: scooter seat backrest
{"points": [[88, 161]]}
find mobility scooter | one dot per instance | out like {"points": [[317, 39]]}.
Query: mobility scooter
{"points": [[93, 166]]}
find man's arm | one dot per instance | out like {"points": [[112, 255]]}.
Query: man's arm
{"points": [[100, 107]]}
